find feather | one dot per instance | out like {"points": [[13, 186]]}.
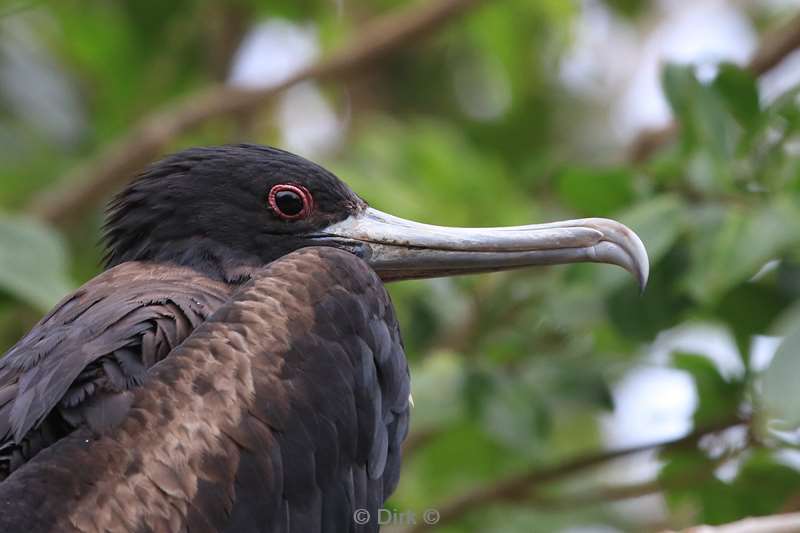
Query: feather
{"points": [[96, 342], [283, 411]]}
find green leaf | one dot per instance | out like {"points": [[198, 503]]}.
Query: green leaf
{"points": [[739, 91], [750, 309], [680, 87], [762, 486], [688, 474], [584, 385], [628, 8], [702, 115], [596, 192], [781, 395], [658, 222], [718, 399], [788, 275], [777, 483], [643, 316], [479, 385], [33, 262], [427, 164], [516, 415], [437, 390], [743, 242], [461, 457]]}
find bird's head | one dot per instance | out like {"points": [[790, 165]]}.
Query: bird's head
{"points": [[227, 210]]}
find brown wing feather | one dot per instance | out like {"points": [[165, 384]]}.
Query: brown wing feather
{"points": [[74, 367], [284, 411]]}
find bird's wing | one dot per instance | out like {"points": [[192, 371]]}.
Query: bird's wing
{"points": [[284, 412], [76, 366]]}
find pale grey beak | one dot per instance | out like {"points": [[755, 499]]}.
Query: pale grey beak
{"points": [[401, 249]]}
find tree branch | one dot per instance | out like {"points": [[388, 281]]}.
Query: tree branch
{"points": [[771, 52], [91, 183], [418, 440], [520, 486], [614, 493], [785, 523], [775, 47]]}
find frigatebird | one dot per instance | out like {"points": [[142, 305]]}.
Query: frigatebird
{"points": [[238, 366]]}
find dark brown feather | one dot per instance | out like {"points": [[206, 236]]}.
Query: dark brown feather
{"points": [[288, 407], [75, 366]]}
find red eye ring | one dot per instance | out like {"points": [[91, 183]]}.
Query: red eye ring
{"points": [[298, 191]]}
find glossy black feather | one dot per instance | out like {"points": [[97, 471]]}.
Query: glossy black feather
{"points": [[206, 208]]}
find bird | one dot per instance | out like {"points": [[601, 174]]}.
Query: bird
{"points": [[238, 366]]}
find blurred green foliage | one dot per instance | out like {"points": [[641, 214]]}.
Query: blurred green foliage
{"points": [[511, 371]]}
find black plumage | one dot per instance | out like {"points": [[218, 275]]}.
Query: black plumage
{"points": [[206, 208]]}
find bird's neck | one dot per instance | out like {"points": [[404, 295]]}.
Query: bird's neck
{"points": [[208, 257]]}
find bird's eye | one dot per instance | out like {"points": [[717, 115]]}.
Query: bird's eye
{"points": [[290, 202]]}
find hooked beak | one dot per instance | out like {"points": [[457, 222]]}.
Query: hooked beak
{"points": [[400, 249]]}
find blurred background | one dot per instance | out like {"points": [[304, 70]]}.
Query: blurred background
{"points": [[547, 400]]}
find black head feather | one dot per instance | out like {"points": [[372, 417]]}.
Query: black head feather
{"points": [[207, 208]]}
